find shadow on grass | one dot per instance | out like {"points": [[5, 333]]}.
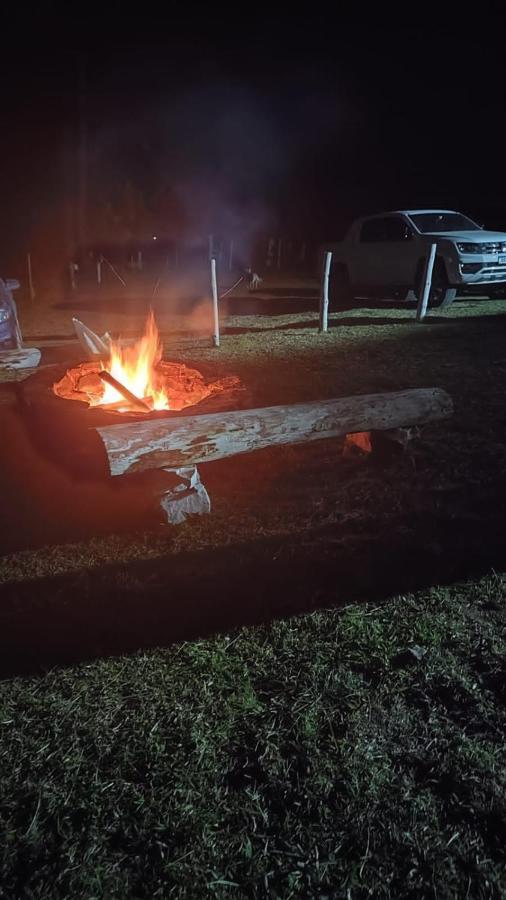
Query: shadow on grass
{"points": [[121, 608], [269, 306], [290, 305], [443, 322], [313, 324], [433, 318]]}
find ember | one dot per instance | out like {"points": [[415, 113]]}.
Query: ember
{"points": [[136, 380]]}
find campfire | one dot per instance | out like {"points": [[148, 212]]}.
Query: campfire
{"points": [[135, 379]]}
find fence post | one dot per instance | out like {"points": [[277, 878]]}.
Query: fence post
{"points": [[324, 297], [426, 284], [216, 318]]}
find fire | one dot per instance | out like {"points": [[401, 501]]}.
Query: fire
{"points": [[136, 369], [141, 373]]}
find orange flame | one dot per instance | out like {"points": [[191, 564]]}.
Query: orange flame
{"points": [[135, 368]]}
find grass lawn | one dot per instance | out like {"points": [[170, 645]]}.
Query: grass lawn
{"points": [[301, 695], [350, 754]]}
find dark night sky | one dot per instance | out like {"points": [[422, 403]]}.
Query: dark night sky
{"points": [[285, 115]]}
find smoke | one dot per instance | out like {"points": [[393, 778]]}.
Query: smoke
{"points": [[217, 159]]}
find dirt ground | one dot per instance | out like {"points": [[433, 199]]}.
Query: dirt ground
{"points": [[291, 528]]}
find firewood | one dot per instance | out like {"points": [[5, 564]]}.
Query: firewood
{"points": [[134, 401], [123, 405]]}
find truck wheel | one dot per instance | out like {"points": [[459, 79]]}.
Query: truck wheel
{"points": [[449, 297], [339, 285], [441, 294]]}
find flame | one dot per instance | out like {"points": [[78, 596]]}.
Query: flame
{"points": [[135, 368]]}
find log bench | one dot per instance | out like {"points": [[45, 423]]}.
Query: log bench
{"points": [[189, 440]]}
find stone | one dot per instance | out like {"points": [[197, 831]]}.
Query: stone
{"points": [[188, 498], [25, 358]]}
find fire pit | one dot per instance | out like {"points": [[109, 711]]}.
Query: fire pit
{"points": [[135, 380], [65, 432]]}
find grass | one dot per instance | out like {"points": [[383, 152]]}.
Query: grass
{"points": [[353, 753], [342, 754]]}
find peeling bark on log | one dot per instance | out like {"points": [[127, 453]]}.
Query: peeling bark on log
{"points": [[183, 441]]}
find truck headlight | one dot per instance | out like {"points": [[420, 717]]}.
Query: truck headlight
{"points": [[469, 248], [4, 315]]}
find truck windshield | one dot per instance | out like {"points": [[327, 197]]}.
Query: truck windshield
{"points": [[430, 222]]}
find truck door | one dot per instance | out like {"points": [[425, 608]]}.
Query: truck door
{"points": [[369, 252], [400, 255], [387, 253]]}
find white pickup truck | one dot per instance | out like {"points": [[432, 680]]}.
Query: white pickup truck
{"points": [[384, 255]]}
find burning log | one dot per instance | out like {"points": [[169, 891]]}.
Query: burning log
{"points": [[184, 441], [123, 406], [133, 401]]}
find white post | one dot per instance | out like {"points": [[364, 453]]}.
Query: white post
{"points": [[99, 270], [72, 271], [324, 298], [214, 288], [231, 256], [30, 277], [426, 284]]}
